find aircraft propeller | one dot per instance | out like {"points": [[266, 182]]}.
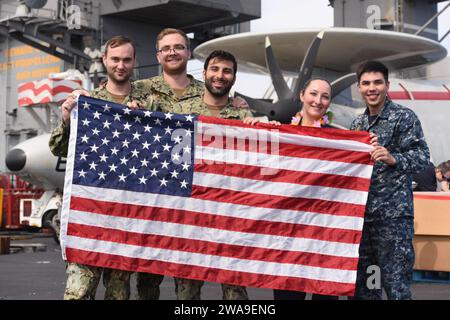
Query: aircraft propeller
{"points": [[289, 103]]}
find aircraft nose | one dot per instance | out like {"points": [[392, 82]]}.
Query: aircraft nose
{"points": [[16, 159]]}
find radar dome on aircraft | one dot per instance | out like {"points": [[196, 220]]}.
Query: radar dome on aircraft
{"points": [[35, 4], [339, 50]]}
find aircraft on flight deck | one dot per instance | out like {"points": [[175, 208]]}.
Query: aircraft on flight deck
{"points": [[335, 53]]}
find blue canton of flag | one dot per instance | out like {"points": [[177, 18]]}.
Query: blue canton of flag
{"points": [[136, 150]]}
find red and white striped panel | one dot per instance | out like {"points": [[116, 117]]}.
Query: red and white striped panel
{"points": [[418, 90], [45, 91]]}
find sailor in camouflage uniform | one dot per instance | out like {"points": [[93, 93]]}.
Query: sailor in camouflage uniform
{"points": [[173, 86], [219, 74], [389, 219], [119, 59]]}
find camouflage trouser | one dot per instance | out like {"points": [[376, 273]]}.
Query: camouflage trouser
{"points": [[82, 282], [188, 289], [148, 285], [389, 246]]}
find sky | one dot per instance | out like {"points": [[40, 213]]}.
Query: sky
{"points": [[286, 15]]}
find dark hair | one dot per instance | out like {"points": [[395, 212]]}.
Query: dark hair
{"points": [[444, 167], [306, 85], [372, 66], [221, 55], [168, 31], [118, 41]]}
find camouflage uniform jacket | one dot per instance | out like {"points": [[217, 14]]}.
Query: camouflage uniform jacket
{"points": [[163, 98], [198, 107], [400, 132], [59, 139]]}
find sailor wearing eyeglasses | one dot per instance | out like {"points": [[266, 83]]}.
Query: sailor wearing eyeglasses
{"points": [[174, 84]]}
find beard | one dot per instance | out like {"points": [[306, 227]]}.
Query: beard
{"points": [[175, 71], [215, 91], [118, 80], [180, 68]]}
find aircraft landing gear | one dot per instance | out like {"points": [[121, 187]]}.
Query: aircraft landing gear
{"points": [[52, 221]]}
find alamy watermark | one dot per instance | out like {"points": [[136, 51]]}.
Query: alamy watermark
{"points": [[374, 18], [72, 15], [220, 145], [374, 280]]}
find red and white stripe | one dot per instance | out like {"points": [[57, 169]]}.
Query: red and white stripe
{"points": [[419, 91], [297, 229], [45, 91]]}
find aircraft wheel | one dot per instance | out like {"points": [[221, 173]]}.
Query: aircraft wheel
{"points": [[52, 221]]}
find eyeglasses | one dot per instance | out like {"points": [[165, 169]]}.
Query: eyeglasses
{"points": [[176, 48]]}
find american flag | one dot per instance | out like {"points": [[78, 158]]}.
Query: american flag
{"points": [[45, 91], [213, 199]]}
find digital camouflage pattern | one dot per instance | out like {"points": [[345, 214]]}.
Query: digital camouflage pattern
{"points": [[148, 286], [388, 246], [59, 138], [82, 283], [189, 289], [162, 98], [400, 132], [389, 218], [198, 107]]}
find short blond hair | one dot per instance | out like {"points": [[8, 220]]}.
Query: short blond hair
{"points": [[168, 31]]}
